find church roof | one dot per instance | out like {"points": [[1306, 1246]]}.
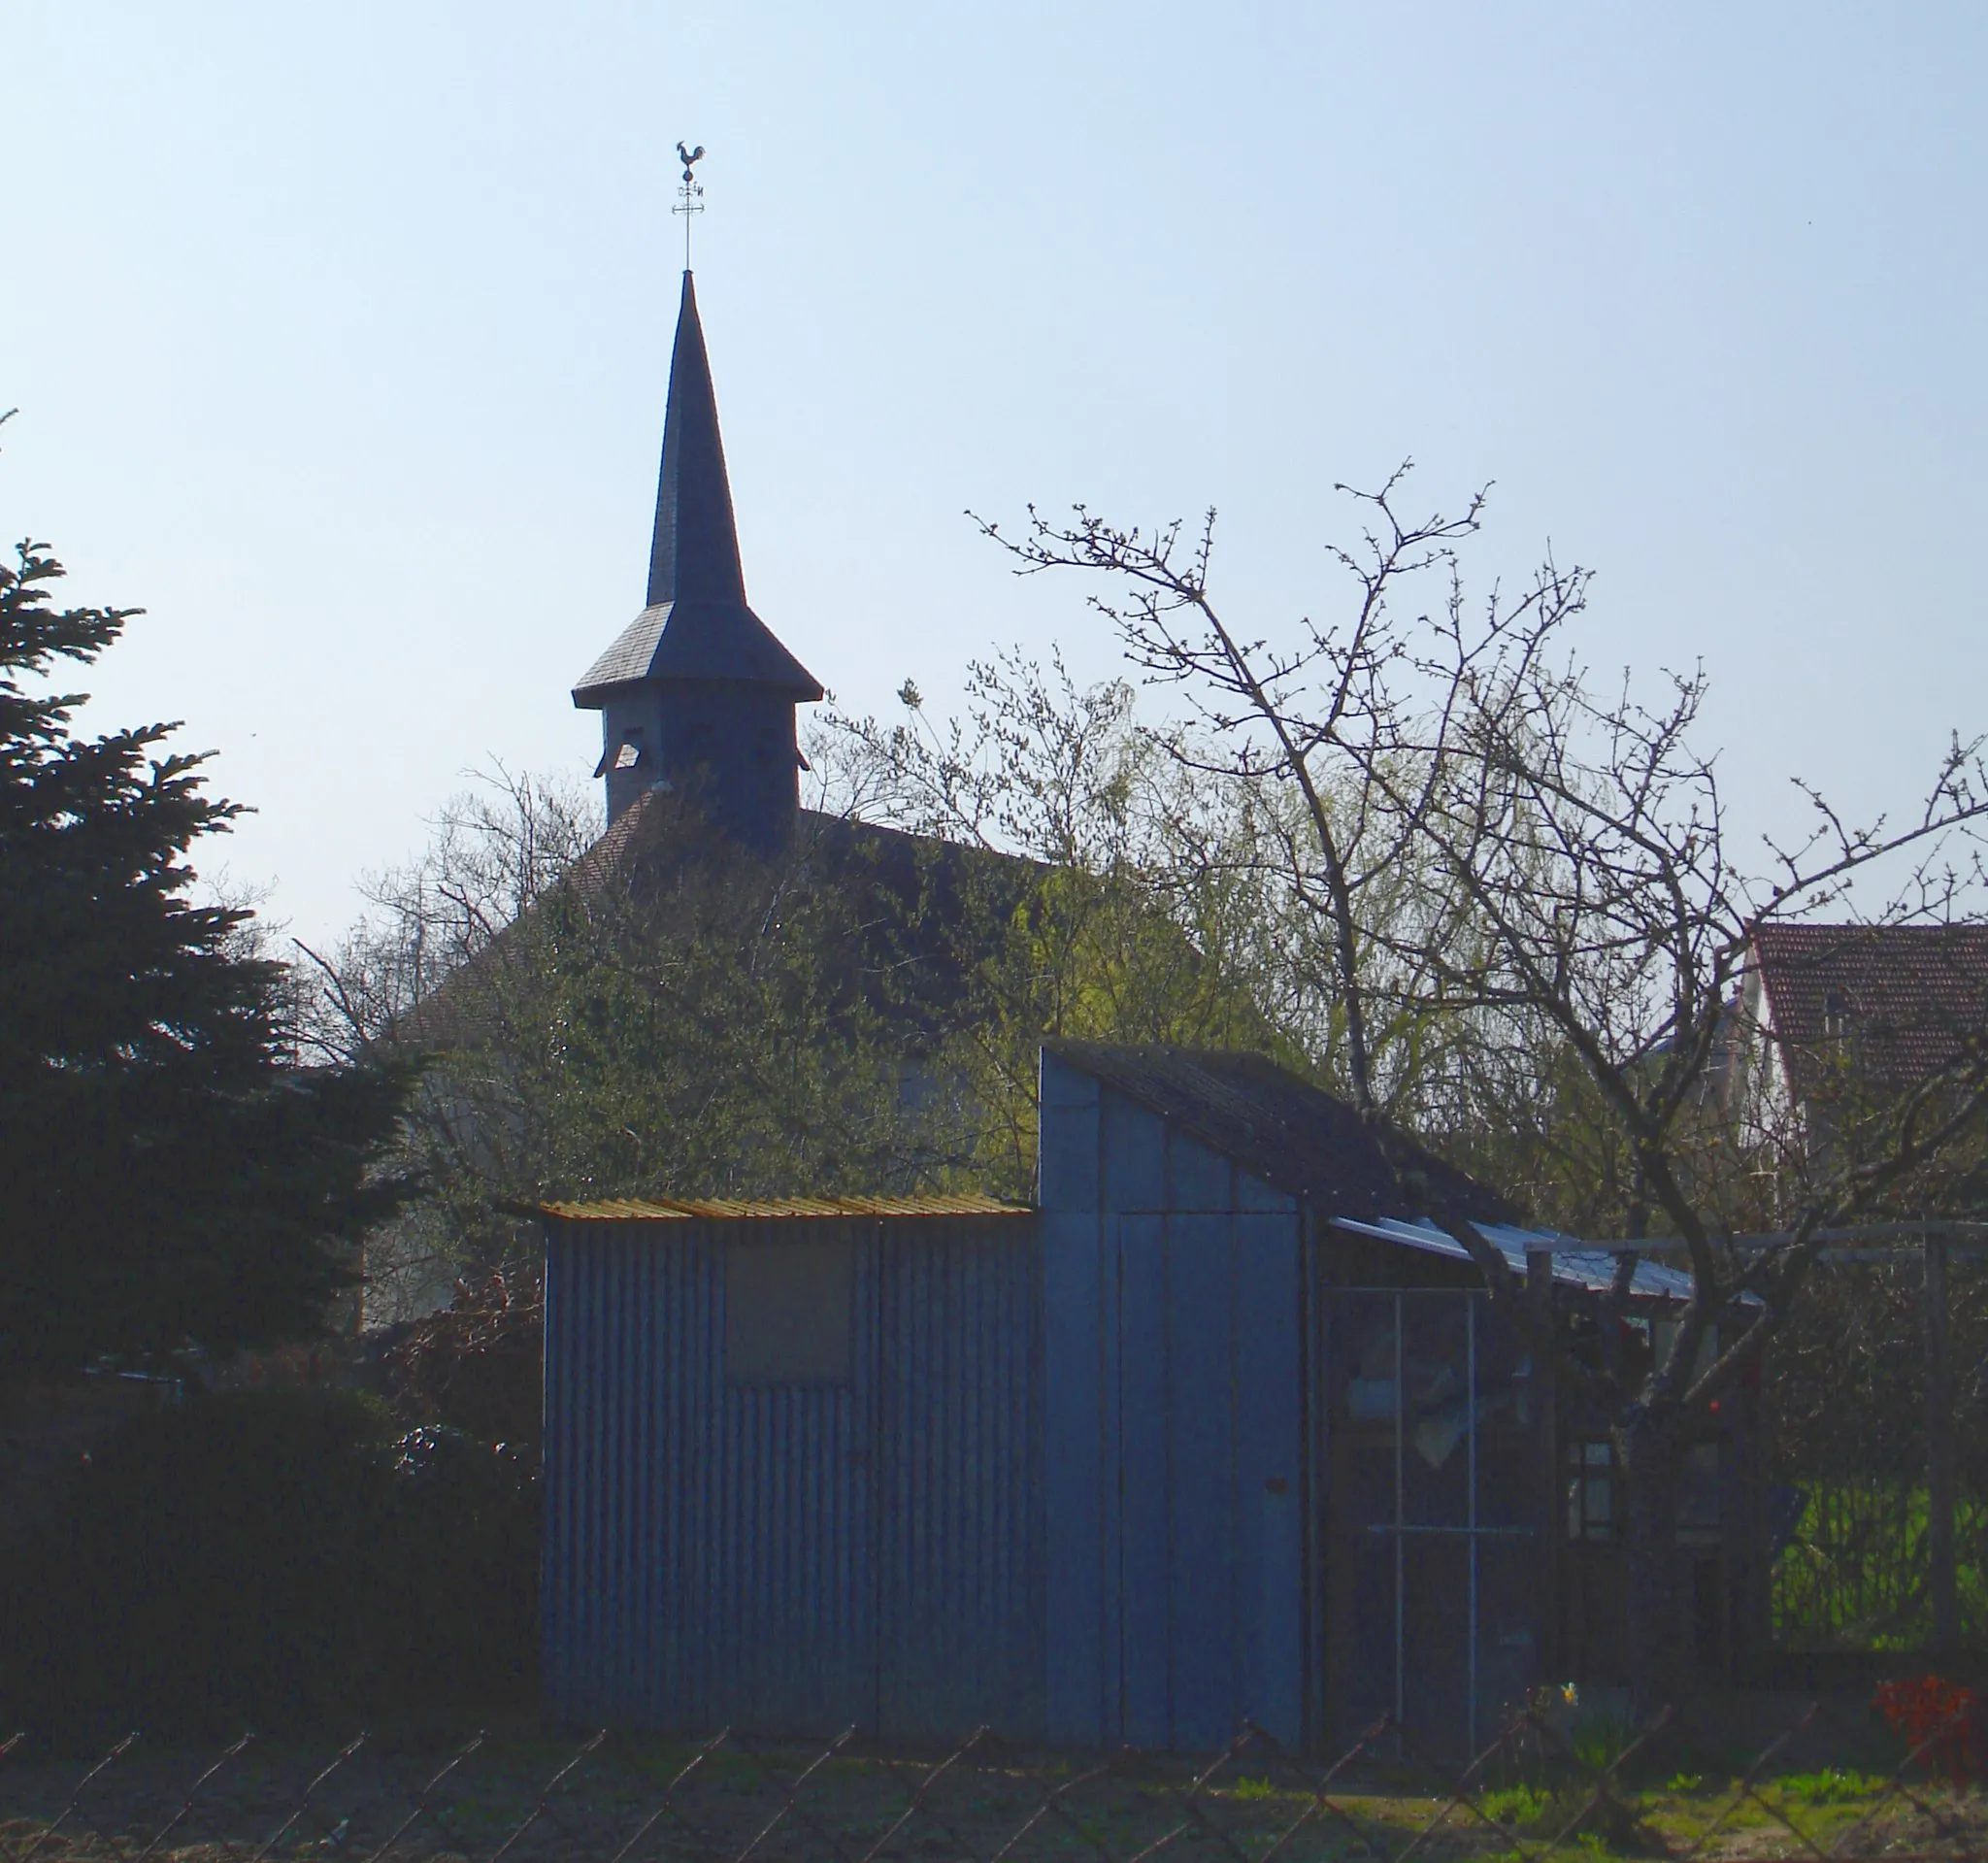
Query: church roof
{"points": [[695, 623], [929, 898], [700, 641]]}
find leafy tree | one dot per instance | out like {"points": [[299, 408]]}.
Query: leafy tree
{"points": [[647, 1014], [629, 1015], [173, 1177], [1116, 899]]}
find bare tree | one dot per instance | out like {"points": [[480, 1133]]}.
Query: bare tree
{"points": [[497, 850], [1584, 924]]}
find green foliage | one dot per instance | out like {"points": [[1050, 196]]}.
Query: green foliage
{"points": [[1095, 889], [1854, 1573], [688, 1026], [172, 1177], [1517, 1805], [1599, 1740], [280, 1559], [1833, 1785], [660, 1015]]}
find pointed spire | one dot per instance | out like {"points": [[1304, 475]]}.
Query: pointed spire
{"points": [[696, 692], [695, 625], [694, 554]]}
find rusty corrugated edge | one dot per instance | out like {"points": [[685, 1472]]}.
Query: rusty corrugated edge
{"points": [[666, 1208]]}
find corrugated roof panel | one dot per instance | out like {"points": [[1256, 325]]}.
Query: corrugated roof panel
{"points": [[1593, 1270], [719, 1209]]}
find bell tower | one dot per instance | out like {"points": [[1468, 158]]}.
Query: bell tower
{"points": [[696, 694]]}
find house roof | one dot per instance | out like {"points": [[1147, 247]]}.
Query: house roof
{"points": [[694, 623], [1902, 998], [1294, 1136]]}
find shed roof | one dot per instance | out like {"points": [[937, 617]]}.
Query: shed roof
{"points": [[1591, 1270], [1293, 1135], [722, 1208]]}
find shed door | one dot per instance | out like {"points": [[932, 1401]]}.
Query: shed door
{"points": [[1208, 1477]]}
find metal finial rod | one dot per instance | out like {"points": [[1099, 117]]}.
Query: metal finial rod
{"points": [[689, 193]]}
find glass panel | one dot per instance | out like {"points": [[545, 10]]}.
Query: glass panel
{"points": [[1436, 1410], [1508, 1440], [1365, 1659], [1435, 1642], [1591, 1491], [1698, 1498], [1363, 1343], [1364, 1328], [1664, 1331], [1508, 1649]]}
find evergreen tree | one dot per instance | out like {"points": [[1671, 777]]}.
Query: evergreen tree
{"points": [[169, 1176]]}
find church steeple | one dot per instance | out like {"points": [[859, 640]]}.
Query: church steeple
{"points": [[697, 692], [694, 554]]}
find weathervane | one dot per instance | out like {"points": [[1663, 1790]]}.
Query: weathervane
{"points": [[690, 195]]}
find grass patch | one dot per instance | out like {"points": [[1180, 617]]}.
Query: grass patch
{"points": [[1518, 1805], [1833, 1785], [1599, 1740]]}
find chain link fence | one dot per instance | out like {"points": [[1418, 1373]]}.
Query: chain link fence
{"points": [[1550, 1786]]}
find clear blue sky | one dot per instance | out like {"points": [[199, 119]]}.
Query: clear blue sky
{"points": [[340, 338]]}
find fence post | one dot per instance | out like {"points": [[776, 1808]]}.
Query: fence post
{"points": [[1539, 1297], [1939, 1456]]}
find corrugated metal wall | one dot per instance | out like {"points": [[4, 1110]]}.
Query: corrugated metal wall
{"points": [[1175, 1441], [796, 1557], [1209, 1591]]}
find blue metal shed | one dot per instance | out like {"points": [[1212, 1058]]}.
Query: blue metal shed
{"points": [[1218, 1432], [1174, 1352], [792, 1467]]}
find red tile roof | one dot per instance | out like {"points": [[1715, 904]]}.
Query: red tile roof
{"points": [[1904, 996]]}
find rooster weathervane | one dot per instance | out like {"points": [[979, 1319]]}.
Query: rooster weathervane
{"points": [[691, 194]]}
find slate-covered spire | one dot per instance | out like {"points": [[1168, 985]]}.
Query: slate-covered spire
{"points": [[694, 555], [697, 691]]}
